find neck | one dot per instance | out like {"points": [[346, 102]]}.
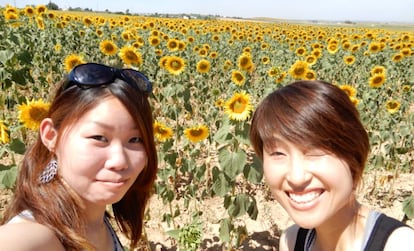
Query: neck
{"points": [[344, 231]]}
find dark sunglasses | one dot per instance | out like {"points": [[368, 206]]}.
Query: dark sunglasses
{"points": [[91, 75]]}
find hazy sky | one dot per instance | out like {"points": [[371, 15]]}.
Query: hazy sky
{"points": [[336, 10]]}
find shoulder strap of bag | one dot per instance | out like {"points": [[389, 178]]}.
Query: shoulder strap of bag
{"points": [[383, 228]]}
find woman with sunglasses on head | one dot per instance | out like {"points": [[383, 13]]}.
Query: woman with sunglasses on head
{"points": [[95, 148], [313, 147]]}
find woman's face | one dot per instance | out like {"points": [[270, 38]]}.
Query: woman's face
{"points": [[101, 155], [312, 185]]}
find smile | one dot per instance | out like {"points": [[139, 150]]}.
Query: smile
{"points": [[305, 197]]}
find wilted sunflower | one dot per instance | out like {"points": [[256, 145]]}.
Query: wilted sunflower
{"points": [[238, 77], [227, 65], [32, 113], [393, 106], [203, 66], [349, 60], [298, 69], [196, 133], [175, 65], [40, 23], [4, 133], [108, 47], [130, 56], [349, 90], [406, 88], [72, 60], [238, 107], [377, 80], [162, 132]]}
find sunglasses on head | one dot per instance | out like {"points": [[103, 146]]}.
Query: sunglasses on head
{"points": [[91, 75]]}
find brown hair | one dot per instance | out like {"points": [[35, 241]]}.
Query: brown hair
{"points": [[53, 204], [312, 114]]}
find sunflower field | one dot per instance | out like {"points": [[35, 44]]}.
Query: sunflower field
{"points": [[208, 76]]}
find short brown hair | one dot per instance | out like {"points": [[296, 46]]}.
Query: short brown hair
{"points": [[312, 114]]}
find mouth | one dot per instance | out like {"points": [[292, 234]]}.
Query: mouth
{"points": [[306, 196]]}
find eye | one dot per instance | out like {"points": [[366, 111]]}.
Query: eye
{"points": [[277, 154], [99, 138], [136, 140]]}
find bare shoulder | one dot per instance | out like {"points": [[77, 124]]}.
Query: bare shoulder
{"points": [[400, 239], [288, 238], [28, 236]]}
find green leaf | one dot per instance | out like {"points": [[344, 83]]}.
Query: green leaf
{"points": [[17, 146], [223, 135], [8, 176], [225, 228], [408, 207], [232, 162], [5, 55], [221, 185], [254, 171]]}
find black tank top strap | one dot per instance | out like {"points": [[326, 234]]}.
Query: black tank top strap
{"points": [[383, 228], [300, 239]]}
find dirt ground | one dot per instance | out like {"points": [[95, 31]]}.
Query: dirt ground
{"points": [[382, 191]]}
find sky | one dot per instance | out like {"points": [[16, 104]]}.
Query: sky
{"points": [[320, 10]]}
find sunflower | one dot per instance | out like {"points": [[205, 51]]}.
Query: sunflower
{"points": [[298, 69], [196, 133], [406, 88], [154, 40], [349, 90], [265, 60], [377, 80], [29, 11], [245, 62], [227, 65], [108, 47], [172, 44], [163, 62], [238, 107], [392, 106], [203, 66], [301, 51], [281, 77], [374, 47], [71, 61], [332, 48], [310, 74], [397, 57], [273, 71], [162, 132], [378, 69], [32, 113], [40, 23], [311, 59], [175, 65], [4, 133], [219, 102], [238, 77], [130, 56], [354, 101], [349, 60]]}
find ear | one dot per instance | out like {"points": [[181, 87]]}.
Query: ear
{"points": [[48, 134]]}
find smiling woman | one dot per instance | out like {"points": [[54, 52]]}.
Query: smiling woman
{"points": [[95, 148], [314, 148]]}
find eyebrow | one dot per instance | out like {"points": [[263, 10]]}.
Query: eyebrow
{"points": [[109, 126]]}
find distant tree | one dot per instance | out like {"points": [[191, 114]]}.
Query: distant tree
{"points": [[52, 6]]}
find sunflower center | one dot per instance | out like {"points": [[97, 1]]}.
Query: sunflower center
{"points": [[238, 106], [196, 132], [392, 105], [37, 113]]}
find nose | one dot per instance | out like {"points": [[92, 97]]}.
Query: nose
{"points": [[298, 174], [117, 157]]}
